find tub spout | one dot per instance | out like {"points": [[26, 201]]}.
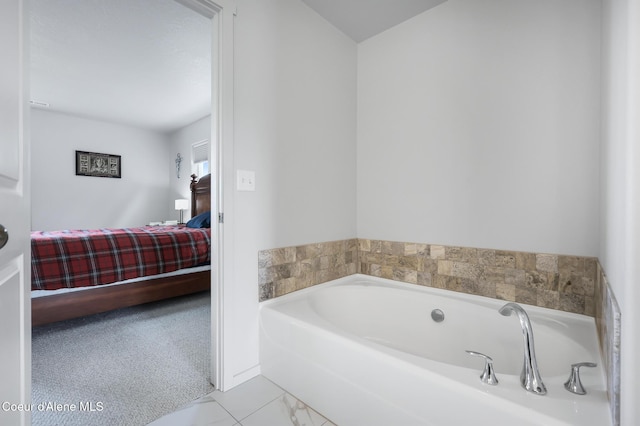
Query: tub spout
{"points": [[530, 376]]}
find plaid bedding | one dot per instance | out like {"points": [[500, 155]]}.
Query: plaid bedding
{"points": [[82, 258]]}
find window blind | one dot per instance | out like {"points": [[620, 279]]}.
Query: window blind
{"points": [[200, 152]]}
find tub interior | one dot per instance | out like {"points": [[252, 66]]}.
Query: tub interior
{"points": [[402, 321]]}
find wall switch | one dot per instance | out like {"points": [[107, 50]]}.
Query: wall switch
{"points": [[246, 180]]}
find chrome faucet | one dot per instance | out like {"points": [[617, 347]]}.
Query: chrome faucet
{"points": [[530, 376]]}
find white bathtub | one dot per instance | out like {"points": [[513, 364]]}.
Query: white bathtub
{"points": [[365, 351]]}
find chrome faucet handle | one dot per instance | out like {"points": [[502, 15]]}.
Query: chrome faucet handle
{"points": [[488, 375], [573, 384]]}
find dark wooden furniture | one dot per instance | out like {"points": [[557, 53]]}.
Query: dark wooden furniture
{"points": [[59, 307]]}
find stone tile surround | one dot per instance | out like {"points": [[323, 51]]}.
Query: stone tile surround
{"points": [[569, 283], [608, 324], [287, 269], [566, 283]]}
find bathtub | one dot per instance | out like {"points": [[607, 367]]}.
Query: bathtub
{"points": [[365, 351]]}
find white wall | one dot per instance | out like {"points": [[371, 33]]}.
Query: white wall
{"points": [[620, 196], [295, 126], [181, 141], [478, 125], [62, 200]]}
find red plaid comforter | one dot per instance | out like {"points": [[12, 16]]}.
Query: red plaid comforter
{"points": [[82, 258]]}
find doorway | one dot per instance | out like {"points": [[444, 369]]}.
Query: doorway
{"points": [[212, 12]]}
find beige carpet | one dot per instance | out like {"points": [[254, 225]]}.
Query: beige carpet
{"points": [[127, 367]]}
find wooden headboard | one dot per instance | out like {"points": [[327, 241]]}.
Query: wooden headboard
{"points": [[200, 194]]}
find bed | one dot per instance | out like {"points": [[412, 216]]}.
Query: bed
{"points": [[140, 274]]}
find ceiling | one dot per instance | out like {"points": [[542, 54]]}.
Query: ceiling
{"points": [[361, 19], [147, 62], [139, 62]]}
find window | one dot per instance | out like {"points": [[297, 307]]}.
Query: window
{"points": [[200, 158]]}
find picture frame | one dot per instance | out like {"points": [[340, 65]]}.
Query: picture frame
{"points": [[98, 165]]}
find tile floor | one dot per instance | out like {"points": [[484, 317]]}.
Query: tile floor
{"points": [[258, 402]]}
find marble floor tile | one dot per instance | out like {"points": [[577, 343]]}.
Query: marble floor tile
{"points": [[258, 402], [285, 411], [203, 412], [247, 398]]}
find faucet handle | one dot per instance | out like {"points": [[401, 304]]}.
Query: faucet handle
{"points": [[573, 384], [488, 375]]}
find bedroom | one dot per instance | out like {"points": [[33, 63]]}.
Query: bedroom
{"points": [[100, 85]]}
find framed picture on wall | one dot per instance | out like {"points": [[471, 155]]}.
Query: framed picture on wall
{"points": [[96, 164]]}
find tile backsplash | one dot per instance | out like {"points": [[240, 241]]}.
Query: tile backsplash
{"points": [[287, 269], [566, 283]]}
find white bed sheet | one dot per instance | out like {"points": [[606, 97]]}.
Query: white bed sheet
{"points": [[45, 293]]}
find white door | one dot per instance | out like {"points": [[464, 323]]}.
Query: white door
{"points": [[15, 210]]}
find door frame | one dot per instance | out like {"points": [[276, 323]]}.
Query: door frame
{"points": [[221, 13]]}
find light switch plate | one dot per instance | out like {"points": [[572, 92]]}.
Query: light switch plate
{"points": [[246, 180]]}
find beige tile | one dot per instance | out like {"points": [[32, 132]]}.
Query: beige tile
{"points": [[466, 270], [372, 258], [437, 252], [386, 272], [364, 245], [547, 262], [571, 303], [376, 270], [266, 292], [478, 287], [308, 251], [424, 278], [445, 267], [284, 286], [494, 273], [410, 249], [525, 261], [589, 306], [506, 292], [405, 275], [540, 280], [505, 259], [422, 249], [486, 257], [548, 299], [526, 295], [439, 281], [462, 254], [392, 248], [515, 276]]}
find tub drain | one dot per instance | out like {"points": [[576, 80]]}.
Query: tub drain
{"points": [[437, 315]]}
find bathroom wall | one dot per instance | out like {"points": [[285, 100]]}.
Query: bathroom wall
{"points": [[620, 192], [478, 126], [295, 126]]}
